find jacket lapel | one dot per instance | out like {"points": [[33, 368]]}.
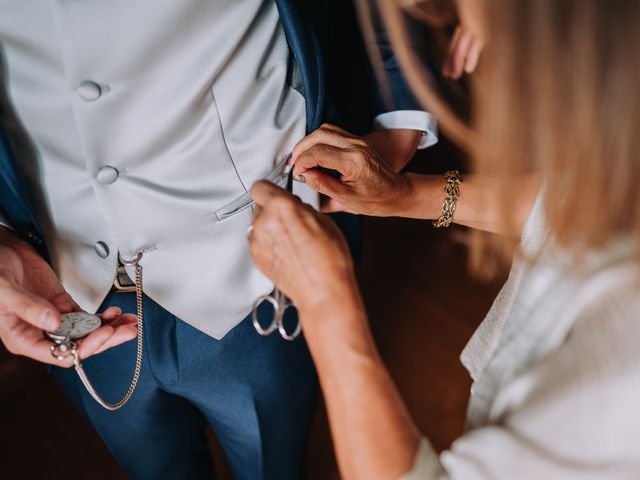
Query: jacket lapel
{"points": [[14, 202], [306, 50]]}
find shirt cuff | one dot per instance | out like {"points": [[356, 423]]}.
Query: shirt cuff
{"points": [[426, 464], [410, 120]]}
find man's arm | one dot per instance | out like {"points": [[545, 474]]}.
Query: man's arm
{"points": [[395, 146], [394, 124], [397, 109]]}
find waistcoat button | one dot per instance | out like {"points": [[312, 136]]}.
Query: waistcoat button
{"points": [[89, 91], [107, 175], [102, 249]]}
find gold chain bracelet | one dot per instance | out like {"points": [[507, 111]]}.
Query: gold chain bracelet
{"points": [[452, 192]]}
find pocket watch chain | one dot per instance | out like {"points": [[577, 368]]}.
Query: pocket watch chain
{"points": [[136, 372]]}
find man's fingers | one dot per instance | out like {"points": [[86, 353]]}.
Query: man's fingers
{"points": [[121, 334], [120, 330], [92, 342], [21, 338], [125, 319], [64, 303], [40, 351], [110, 314], [33, 310]]}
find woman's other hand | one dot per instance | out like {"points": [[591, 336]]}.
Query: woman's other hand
{"points": [[463, 53], [302, 251], [350, 172]]}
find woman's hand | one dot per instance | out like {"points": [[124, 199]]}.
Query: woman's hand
{"points": [[463, 53], [363, 182], [302, 251]]}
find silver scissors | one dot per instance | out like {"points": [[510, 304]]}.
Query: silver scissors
{"points": [[278, 301], [280, 304]]}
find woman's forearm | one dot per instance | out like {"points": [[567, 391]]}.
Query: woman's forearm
{"points": [[476, 206], [373, 433]]}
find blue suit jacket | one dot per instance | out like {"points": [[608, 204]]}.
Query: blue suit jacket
{"points": [[338, 84]]}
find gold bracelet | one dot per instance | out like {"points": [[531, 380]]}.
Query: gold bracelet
{"points": [[452, 191]]}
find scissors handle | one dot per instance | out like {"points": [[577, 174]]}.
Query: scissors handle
{"points": [[285, 304], [278, 299], [281, 328], [274, 321]]}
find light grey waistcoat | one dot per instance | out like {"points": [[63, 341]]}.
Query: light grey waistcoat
{"points": [[134, 121]]}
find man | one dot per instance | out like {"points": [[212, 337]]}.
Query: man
{"points": [[126, 126]]}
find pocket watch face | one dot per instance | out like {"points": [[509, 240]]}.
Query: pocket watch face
{"points": [[77, 325]]}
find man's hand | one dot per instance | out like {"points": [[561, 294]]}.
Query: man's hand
{"points": [[32, 299], [395, 146], [364, 182]]}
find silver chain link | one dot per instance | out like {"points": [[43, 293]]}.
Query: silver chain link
{"points": [[136, 372]]}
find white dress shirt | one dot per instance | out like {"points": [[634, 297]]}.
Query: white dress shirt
{"points": [[135, 122], [556, 370]]}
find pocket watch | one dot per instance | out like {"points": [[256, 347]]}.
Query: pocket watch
{"points": [[74, 326]]}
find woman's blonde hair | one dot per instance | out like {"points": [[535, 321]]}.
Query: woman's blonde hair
{"points": [[556, 94]]}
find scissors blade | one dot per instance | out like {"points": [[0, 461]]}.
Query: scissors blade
{"points": [[280, 176]]}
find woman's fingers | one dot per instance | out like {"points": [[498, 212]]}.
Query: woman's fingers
{"points": [[326, 184], [263, 191], [325, 135], [447, 67], [346, 161], [460, 55], [295, 246], [474, 56], [463, 53]]}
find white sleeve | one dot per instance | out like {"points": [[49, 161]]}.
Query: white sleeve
{"points": [[572, 416], [426, 464], [410, 120]]}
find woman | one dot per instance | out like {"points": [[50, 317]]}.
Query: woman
{"points": [[556, 363]]}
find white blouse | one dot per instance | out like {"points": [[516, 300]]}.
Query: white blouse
{"points": [[556, 370]]}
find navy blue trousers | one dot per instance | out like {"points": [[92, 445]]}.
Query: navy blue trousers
{"points": [[257, 394]]}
